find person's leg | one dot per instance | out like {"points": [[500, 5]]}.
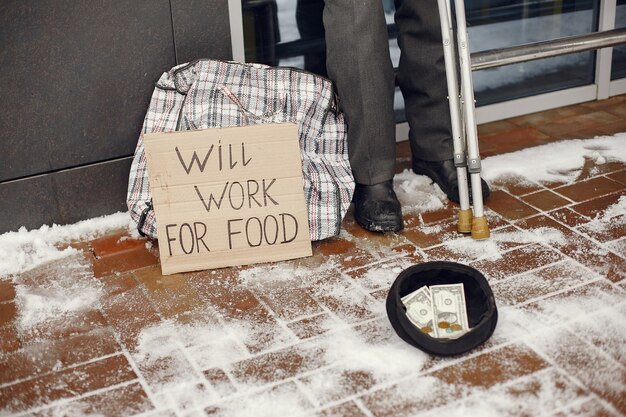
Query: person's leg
{"points": [[358, 62], [311, 27], [422, 79]]}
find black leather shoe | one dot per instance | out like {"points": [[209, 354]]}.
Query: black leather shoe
{"points": [[376, 207], [443, 173]]}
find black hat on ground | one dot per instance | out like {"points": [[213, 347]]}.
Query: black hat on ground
{"points": [[482, 313]]}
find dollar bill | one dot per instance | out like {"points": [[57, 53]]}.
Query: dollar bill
{"points": [[411, 295], [419, 310], [449, 310]]}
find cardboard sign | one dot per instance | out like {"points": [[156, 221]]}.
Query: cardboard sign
{"points": [[225, 197]]}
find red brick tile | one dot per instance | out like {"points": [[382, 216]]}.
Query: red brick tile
{"points": [[516, 139], [431, 235], [333, 246], [611, 343], [124, 262], [597, 206], [116, 243], [409, 252], [127, 309], [371, 240], [7, 290], [345, 301], [581, 249], [347, 409], [545, 200], [539, 283], [489, 369], [549, 116], [162, 364], [517, 261], [220, 382], [584, 133], [619, 176], [563, 127], [586, 190], [605, 231], [597, 373], [278, 365], [237, 304], [619, 248], [310, 326], [599, 292], [618, 126], [53, 355], [592, 169], [345, 252], [230, 299], [409, 398], [515, 185], [508, 206], [608, 104], [590, 407], [9, 339], [500, 126], [446, 386], [66, 384], [381, 274], [290, 303], [123, 401], [334, 384], [268, 396], [568, 217], [172, 294], [449, 211], [464, 249], [68, 325], [8, 312]]}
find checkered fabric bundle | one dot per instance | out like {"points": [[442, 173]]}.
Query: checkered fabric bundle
{"points": [[214, 94]]}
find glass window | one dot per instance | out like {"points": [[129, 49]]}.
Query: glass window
{"points": [[290, 33], [504, 23]]}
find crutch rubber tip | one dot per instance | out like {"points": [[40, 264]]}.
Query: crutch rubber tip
{"points": [[465, 220], [480, 228]]}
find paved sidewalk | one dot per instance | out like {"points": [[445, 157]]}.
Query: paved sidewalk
{"points": [[310, 336]]}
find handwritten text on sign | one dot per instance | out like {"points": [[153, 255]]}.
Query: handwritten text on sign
{"points": [[227, 197]]}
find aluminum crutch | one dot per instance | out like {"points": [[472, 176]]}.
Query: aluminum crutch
{"points": [[462, 115], [458, 135]]}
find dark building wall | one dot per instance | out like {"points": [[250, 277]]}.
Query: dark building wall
{"points": [[76, 79]]}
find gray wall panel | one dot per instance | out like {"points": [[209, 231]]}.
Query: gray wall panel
{"points": [[30, 203], [201, 29], [77, 77], [76, 80], [92, 191]]}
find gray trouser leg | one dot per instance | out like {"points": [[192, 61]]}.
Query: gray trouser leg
{"points": [[358, 62], [422, 79]]}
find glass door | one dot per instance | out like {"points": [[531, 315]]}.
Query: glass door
{"points": [[291, 33], [504, 23]]}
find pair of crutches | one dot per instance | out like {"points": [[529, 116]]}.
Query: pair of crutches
{"points": [[462, 115]]}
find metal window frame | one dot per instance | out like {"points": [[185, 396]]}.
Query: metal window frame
{"points": [[602, 88]]}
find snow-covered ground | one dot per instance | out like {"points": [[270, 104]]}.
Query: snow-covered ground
{"points": [[343, 350]]}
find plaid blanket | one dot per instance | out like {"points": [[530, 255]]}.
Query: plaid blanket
{"points": [[211, 93]]}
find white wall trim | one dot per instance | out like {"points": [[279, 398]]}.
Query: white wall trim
{"points": [[533, 104], [604, 56], [236, 30], [618, 87], [527, 105]]}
